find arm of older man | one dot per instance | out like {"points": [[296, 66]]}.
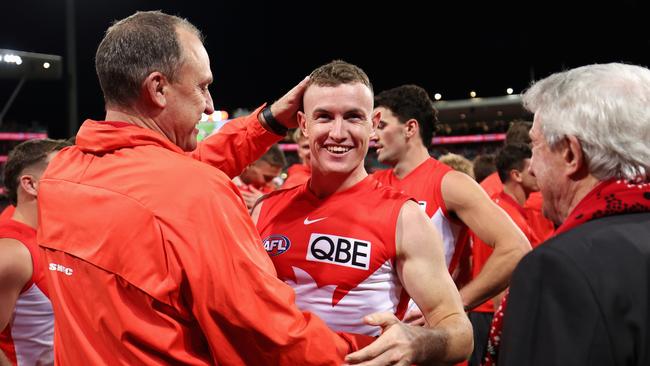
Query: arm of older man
{"points": [[243, 140]]}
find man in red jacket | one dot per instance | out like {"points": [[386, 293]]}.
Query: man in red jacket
{"points": [[152, 256]]}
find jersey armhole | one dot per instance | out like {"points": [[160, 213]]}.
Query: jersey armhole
{"points": [[438, 193], [399, 204]]}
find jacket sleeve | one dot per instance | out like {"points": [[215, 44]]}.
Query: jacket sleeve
{"points": [[236, 145], [246, 313], [553, 316]]}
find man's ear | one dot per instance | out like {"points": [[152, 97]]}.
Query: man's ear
{"points": [[574, 157], [29, 184], [376, 118], [516, 175], [154, 88], [302, 123], [411, 128]]}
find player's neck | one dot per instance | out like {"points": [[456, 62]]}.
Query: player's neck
{"points": [[515, 191], [412, 158], [26, 213], [324, 185]]}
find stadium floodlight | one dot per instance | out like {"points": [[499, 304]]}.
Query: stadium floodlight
{"points": [[29, 65]]}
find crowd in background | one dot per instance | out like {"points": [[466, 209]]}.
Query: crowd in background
{"points": [[148, 247]]}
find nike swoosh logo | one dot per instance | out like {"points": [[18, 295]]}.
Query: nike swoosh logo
{"points": [[309, 222]]}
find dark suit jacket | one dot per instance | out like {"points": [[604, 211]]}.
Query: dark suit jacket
{"points": [[583, 298]]}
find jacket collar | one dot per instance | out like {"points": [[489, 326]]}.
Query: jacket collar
{"points": [[99, 137]]}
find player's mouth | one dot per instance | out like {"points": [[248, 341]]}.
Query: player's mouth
{"points": [[337, 149]]}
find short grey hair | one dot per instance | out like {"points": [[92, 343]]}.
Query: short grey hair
{"points": [[135, 47], [605, 106]]}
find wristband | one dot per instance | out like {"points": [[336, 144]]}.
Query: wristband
{"points": [[274, 125]]}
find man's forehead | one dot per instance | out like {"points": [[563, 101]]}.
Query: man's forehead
{"points": [[316, 92], [344, 96], [192, 49]]}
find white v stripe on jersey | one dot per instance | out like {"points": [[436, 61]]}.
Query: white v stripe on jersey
{"points": [[309, 222]]}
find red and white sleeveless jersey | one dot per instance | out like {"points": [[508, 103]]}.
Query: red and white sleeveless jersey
{"points": [[338, 253], [28, 338], [424, 183]]}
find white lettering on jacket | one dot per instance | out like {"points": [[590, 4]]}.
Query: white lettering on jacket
{"points": [[60, 268]]}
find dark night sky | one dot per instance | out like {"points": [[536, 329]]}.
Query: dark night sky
{"points": [[260, 49]]}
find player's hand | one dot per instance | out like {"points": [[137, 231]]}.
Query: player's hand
{"points": [[396, 345], [285, 109], [415, 317]]}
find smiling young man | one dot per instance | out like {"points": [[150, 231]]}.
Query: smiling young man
{"points": [[350, 246]]}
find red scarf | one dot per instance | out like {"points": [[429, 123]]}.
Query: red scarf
{"points": [[608, 198]]}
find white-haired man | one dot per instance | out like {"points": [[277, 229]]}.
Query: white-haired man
{"points": [[583, 297]]}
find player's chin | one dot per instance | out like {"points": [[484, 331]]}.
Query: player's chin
{"points": [[381, 156]]}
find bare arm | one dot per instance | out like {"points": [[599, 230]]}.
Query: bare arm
{"points": [[491, 224], [15, 271], [447, 337]]}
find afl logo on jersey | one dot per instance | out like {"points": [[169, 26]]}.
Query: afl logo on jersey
{"points": [[276, 244]]}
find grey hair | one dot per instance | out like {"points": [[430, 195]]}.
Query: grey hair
{"points": [[605, 106], [133, 48]]}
